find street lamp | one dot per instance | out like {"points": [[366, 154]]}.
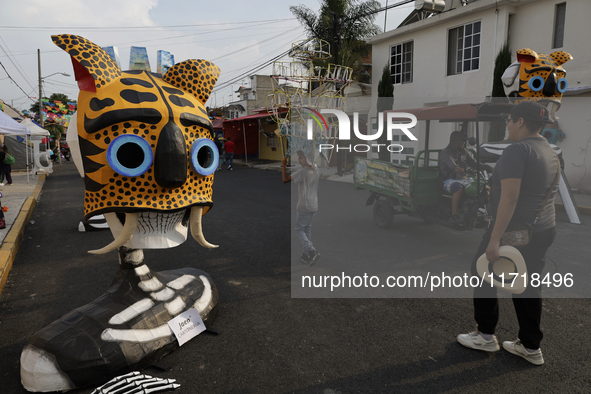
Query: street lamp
{"points": [[40, 85]]}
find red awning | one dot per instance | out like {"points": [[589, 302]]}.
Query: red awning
{"points": [[458, 112], [248, 117]]}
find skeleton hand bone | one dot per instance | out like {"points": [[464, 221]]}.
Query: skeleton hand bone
{"points": [[136, 383]]}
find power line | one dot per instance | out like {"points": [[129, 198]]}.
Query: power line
{"points": [[190, 35], [170, 38], [15, 82], [253, 45], [225, 38], [256, 68], [16, 65], [384, 8], [33, 28], [252, 70]]}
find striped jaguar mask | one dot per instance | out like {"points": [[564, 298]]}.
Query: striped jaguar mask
{"points": [[146, 146]]}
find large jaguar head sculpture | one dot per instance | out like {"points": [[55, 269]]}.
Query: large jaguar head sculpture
{"points": [[537, 77], [147, 147]]}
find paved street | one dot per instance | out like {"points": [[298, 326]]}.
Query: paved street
{"points": [[272, 342]]}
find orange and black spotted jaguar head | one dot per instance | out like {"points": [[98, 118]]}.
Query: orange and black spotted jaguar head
{"points": [[147, 146], [541, 77]]}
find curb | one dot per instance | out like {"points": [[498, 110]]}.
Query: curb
{"points": [[15, 235], [583, 210]]}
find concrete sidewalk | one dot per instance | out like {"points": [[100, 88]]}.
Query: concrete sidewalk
{"points": [[19, 198]]}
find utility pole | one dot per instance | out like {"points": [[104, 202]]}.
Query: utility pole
{"points": [[40, 87], [385, 15]]}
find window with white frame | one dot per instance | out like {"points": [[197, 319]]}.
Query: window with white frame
{"points": [[401, 62], [463, 52]]}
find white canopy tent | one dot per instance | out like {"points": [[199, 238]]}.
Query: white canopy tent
{"points": [[9, 126], [35, 130]]}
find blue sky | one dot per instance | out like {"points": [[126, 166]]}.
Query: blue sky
{"points": [[235, 35]]}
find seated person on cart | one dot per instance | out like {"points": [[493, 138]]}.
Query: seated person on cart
{"points": [[453, 162]]}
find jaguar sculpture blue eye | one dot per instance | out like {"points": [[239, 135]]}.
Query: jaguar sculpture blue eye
{"points": [[130, 155], [204, 156]]}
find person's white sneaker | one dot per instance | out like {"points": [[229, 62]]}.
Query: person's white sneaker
{"points": [[474, 340], [517, 348]]}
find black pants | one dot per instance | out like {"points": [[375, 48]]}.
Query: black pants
{"points": [[7, 175], [528, 305]]}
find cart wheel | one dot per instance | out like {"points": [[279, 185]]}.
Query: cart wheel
{"points": [[383, 214]]}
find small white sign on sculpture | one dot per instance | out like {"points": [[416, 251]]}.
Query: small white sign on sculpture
{"points": [[187, 326]]}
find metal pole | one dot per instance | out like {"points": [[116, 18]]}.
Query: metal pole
{"points": [[40, 87], [427, 155], [385, 15], [245, 150], [27, 140], [477, 156]]}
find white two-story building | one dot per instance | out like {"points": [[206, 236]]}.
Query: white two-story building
{"points": [[448, 57]]}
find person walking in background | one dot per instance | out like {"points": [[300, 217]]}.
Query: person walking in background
{"points": [[524, 185], [220, 147], [6, 161], [229, 147], [307, 179]]}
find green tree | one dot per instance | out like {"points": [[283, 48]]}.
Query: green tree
{"points": [[56, 131], [352, 20], [385, 103], [60, 97], [502, 61]]}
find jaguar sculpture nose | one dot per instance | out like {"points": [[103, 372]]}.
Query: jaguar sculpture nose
{"points": [[170, 161], [550, 85]]}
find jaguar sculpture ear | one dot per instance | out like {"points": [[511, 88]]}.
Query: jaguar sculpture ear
{"points": [[527, 55], [561, 57], [197, 77], [93, 67]]}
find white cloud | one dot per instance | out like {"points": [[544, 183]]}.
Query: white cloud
{"points": [[79, 13]]}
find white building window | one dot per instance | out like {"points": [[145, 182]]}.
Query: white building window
{"points": [[559, 16], [401, 63], [463, 52]]}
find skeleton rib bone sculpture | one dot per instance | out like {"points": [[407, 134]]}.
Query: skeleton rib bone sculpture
{"points": [[149, 158]]}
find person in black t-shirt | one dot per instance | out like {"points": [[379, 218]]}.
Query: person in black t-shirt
{"points": [[522, 178]]}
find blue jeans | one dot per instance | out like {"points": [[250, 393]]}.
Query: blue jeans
{"points": [[303, 229], [230, 159]]}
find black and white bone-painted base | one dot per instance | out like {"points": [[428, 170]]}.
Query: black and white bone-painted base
{"points": [[123, 330]]}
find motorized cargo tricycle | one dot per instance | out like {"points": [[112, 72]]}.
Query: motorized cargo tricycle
{"points": [[413, 187]]}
